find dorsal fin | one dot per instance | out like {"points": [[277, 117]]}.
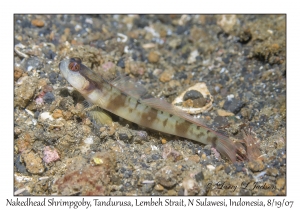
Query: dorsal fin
{"points": [[130, 87]]}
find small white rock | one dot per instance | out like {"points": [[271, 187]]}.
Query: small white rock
{"points": [[89, 140], [192, 57], [230, 97], [210, 167], [46, 115]]}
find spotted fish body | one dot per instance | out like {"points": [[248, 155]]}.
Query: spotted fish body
{"points": [[152, 113]]}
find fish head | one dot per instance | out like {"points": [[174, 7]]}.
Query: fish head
{"points": [[72, 69]]}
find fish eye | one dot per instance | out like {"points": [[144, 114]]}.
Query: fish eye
{"points": [[74, 64]]}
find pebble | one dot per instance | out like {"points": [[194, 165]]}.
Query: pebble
{"points": [[192, 57], [219, 168], [158, 187], [38, 22], [181, 192], [67, 115], [17, 73], [171, 193], [45, 115], [239, 167], [42, 82], [57, 113], [163, 141], [86, 129], [157, 72], [190, 186], [233, 105], [246, 113], [155, 157], [256, 165], [50, 54], [227, 22], [223, 113], [153, 57], [25, 92], [203, 156], [280, 183], [272, 172], [147, 188], [121, 63], [33, 162], [89, 140], [199, 176], [21, 168], [32, 63], [197, 34], [166, 76], [123, 136], [194, 158], [207, 151], [53, 77], [23, 143], [181, 75], [180, 29], [210, 167], [227, 170], [174, 43], [49, 97], [220, 121], [50, 155], [167, 176]]}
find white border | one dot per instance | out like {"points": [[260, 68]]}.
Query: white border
{"points": [[8, 8]]}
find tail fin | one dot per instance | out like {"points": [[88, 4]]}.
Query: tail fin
{"points": [[252, 146]]}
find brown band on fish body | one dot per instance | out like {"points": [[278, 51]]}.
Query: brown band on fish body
{"points": [[165, 122], [148, 117], [116, 101], [182, 128]]}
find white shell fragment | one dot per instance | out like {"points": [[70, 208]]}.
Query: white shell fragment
{"points": [[200, 87], [46, 115]]}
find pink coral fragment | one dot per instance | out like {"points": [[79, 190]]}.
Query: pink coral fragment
{"points": [[50, 155], [39, 101]]}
